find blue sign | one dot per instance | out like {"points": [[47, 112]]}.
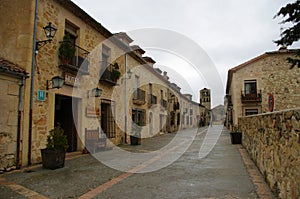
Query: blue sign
{"points": [[41, 95]]}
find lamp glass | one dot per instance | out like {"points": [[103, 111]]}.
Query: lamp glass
{"points": [[50, 31], [96, 92], [129, 73], [57, 82]]}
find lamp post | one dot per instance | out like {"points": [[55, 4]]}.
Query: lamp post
{"points": [[49, 31], [127, 76]]}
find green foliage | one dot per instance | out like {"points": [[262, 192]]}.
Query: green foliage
{"points": [[115, 72], [57, 140], [291, 15], [66, 49]]}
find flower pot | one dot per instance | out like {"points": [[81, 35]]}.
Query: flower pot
{"points": [[53, 159], [135, 140], [236, 137]]}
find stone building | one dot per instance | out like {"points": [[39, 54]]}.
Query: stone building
{"points": [[132, 90], [12, 78], [263, 84]]}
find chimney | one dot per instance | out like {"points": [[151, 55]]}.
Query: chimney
{"points": [[123, 37], [149, 60], [165, 75], [138, 50]]}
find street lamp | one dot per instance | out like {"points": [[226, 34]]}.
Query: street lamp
{"points": [[50, 31], [95, 92], [56, 82]]}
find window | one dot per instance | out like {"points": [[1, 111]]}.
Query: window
{"points": [[251, 111], [105, 56], [136, 86], [150, 89], [72, 31], [139, 116], [172, 118], [250, 87]]}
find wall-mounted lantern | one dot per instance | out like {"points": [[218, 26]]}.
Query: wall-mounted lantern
{"points": [[50, 31], [95, 92], [55, 82]]}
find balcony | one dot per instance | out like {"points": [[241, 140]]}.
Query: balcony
{"points": [[163, 103], [251, 98], [110, 75], [78, 63], [139, 97], [176, 106], [152, 99]]}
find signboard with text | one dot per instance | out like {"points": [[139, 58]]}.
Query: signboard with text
{"points": [[71, 80]]}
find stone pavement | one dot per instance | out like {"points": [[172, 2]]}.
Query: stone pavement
{"points": [[224, 172]]}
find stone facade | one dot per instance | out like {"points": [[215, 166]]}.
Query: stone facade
{"points": [[250, 85], [9, 92], [73, 105], [273, 142]]}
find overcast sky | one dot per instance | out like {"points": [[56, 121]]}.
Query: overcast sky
{"points": [[230, 32]]}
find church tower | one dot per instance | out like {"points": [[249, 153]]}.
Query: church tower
{"points": [[205, 99]]}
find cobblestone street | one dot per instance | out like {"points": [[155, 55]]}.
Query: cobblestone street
{"points": [[226, 172]]}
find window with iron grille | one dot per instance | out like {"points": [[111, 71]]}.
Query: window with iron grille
{"points": [[139, 116], [172, 118]]}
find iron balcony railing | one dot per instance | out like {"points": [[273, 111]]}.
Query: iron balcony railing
{"points": [[253, 97], [109, 75], [152, 99], [139, 96], [163, 103], [79, 62], [176, 106]]}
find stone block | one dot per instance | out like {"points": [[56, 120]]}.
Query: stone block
{"points": [[13, 89], [12, 119]]}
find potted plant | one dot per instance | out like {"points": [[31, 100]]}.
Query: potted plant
{"points": [[53, 156], [236, 135], [116, 74], [135, 137], [66, 50]]}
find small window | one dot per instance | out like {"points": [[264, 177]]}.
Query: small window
{"points": [[251, 111]]}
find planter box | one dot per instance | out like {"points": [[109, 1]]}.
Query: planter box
{"points": [[135, 140], [53, 159], [236, 137]]}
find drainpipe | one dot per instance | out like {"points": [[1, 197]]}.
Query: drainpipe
{"points": [[32, 83], [125, 101], [20, 108]]}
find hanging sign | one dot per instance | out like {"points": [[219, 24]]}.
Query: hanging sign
{"points": [[71, 80], [271, 102]]}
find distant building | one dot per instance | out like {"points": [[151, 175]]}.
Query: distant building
{"points": [[263, 84]]}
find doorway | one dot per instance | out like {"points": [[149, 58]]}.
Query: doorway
{"points": [[64, 116]]}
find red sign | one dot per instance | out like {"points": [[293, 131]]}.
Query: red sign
{"points": [[271, 102]]}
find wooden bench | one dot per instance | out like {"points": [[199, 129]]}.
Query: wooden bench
{"points": [[94, 140]]}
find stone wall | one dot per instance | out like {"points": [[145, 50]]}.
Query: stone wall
{"points": [[9, 95], [273, 142]]}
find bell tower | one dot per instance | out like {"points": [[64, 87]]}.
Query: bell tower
{"points": [[205, 98]]}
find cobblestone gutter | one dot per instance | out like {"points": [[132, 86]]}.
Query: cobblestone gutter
{"points": [[273, 142]]}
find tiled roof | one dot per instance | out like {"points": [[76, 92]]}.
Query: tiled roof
{"points": [[7, 66]]}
